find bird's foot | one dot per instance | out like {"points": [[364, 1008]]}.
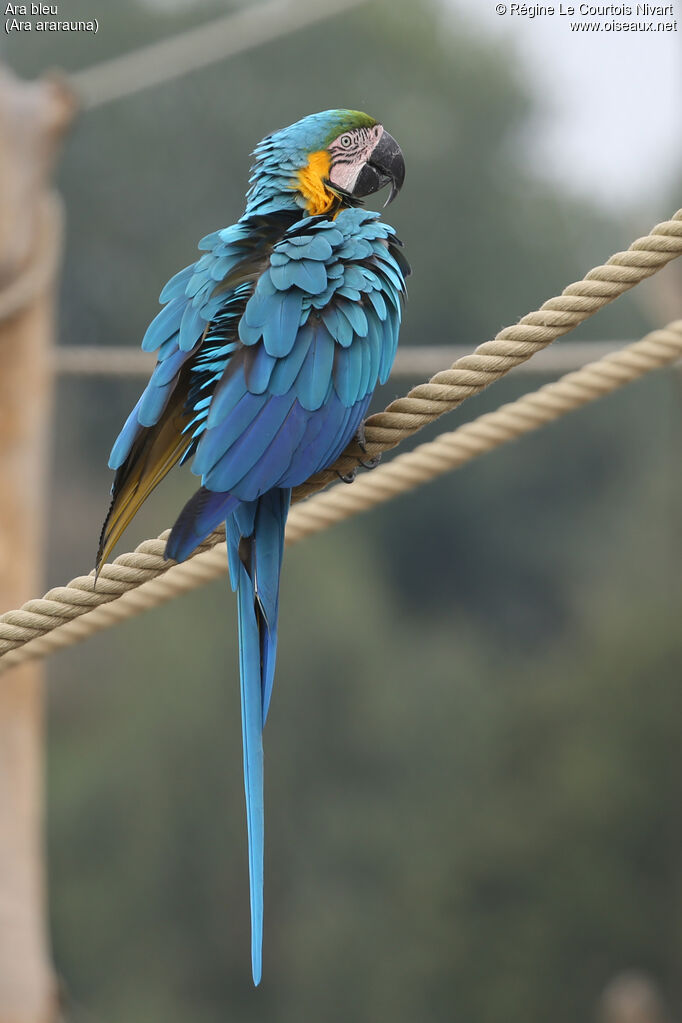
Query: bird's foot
{"points": [[347, 477], [361, 440]]}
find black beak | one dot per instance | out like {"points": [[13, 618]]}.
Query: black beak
{"points": [[385, 165]]}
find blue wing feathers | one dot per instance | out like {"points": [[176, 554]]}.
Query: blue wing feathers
{"points": [[366, 386], [286, 370], [191, 327], [355, 315], [258, 368], [331, 318], [175, 287], [152, 404], [354, 278], [347, 373], [168, 367], [216, 442], [315, 375], [375, 344], [249, 446], [377, 300], [319, 248], [324, 423], [279, 333], [390, 269], [338, 325], [261, 306], [277, 459], [125, 439], [392, 325], [163, 325], [352, 418], [228, 393]]}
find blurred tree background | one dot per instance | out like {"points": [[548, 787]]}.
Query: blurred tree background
{"points": [[474, 760]]}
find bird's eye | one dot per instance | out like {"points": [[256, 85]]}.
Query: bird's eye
{"points": [[346, 141]]}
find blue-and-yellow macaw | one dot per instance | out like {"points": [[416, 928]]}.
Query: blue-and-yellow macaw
{"points": [[269, 349]]}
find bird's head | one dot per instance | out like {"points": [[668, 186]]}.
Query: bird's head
{"points": [[325, 161]]}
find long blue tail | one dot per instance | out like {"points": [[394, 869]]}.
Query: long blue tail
{"points": [[255, 543]]}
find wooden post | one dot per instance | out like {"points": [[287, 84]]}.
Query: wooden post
{"points": [[632, 997], [33, 118]]}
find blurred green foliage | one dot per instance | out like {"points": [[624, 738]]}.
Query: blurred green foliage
{"points": [[473, 784]]}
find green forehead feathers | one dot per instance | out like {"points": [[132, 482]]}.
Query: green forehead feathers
{"points": [[347, 120], [317, 131]]}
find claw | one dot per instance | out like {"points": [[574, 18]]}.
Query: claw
{"points": [[361, 441], [347, 477]]}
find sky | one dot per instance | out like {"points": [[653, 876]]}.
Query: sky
{"points": [[611, 101]]}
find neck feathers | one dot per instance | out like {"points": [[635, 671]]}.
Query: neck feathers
{"points": [[285, 180]]}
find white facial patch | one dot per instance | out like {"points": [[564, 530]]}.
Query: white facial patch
{"points": [[350, 152]]}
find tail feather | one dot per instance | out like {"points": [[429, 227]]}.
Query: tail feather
{"points": [[252, 738], [255, 535], [203, 513]]}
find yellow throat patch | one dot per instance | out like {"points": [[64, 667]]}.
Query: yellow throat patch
{"points": [[319, 199]]}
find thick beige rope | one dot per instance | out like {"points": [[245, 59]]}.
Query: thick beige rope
{"points": [[512, 346], [141, 580], [491, 430]]}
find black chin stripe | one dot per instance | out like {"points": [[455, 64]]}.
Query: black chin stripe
{"points": [[348, 157]]}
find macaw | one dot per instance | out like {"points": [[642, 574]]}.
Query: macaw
{"points": [[269, 348]]}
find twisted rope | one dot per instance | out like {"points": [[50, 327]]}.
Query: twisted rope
{"points": [[142, 579], [512, 346], [451, 450]]}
